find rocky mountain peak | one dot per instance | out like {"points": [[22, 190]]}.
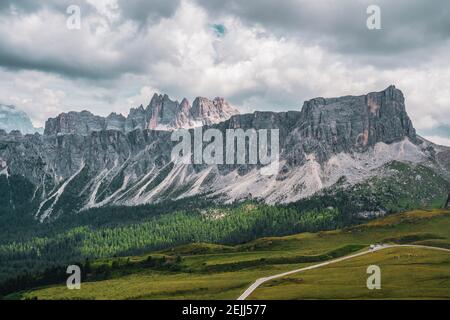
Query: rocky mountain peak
{"points": [[72, 122], [12, 118], [210, 112], [162, 113], [361, 120], [185, 106], [115, 122]]}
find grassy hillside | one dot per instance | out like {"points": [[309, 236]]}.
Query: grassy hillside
{"points": [[407, 273], [205, 271]]}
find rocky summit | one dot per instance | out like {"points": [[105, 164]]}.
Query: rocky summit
{"points": [[162, 113], [12, 119], [85, 161]]}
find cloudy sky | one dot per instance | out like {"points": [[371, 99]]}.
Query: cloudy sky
{"points": [[259, 54]]}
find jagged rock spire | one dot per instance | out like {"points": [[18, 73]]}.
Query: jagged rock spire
{"points": [[162, 113]]}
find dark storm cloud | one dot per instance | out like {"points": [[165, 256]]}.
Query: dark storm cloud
{"points": [[53, 49], [18, 61], [30, 6], [147, 11], [407, 25], [23, 5], [78, 61], [139, 10]]}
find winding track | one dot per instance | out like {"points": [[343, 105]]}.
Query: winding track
{"points": [[260, 281]]}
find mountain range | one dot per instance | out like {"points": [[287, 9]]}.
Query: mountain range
{"points": [[161, 114], [364, 146], [12, 119]]}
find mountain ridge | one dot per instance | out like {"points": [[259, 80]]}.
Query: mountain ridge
{"points": [[162, 113], [353, 137], [14, 119]]}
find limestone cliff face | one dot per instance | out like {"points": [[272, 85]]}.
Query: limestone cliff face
{"points": [[209, 112], [358, 121], [354, 122], [82, 123], [330, 126], [84, 161], [162, 113]]}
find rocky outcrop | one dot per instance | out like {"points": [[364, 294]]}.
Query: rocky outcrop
{"points": [[354, 122], [137, 119], [115, 122], [378, 116], [84, 161], [209, 112], [161, 114], [82, 123], [329, 126]]}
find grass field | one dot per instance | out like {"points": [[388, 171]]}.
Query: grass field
{"points": [[204, 271], [406, 273]]}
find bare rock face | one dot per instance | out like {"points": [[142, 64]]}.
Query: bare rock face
{"points": [[329, 126], [82, 123], [183, 118], [164, 114], [161, 114], [377, 116], [210, 112], [136, 120], [354, 122], [115, 122], [85, 161]]}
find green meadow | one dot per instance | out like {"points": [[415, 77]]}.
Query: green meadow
{"points": [[206, 271], [406, 273]]}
